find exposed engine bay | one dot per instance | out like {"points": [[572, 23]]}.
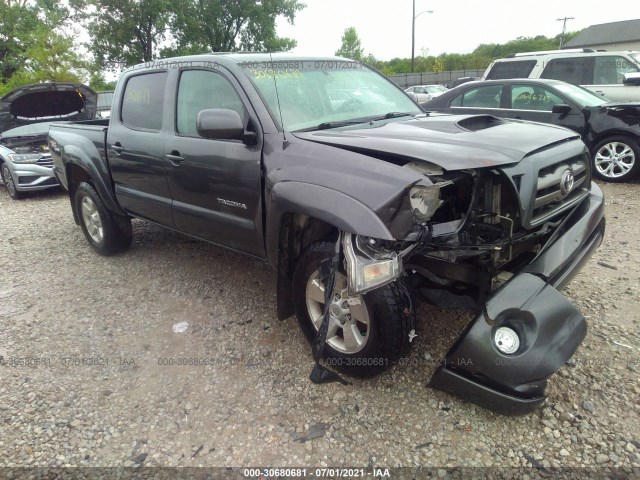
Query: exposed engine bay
{"points": [[26, 144]]}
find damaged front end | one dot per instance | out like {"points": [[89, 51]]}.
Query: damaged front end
{"points": [[501, 241]]}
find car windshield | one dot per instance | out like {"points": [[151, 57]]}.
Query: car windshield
{"points": [[435, 88], [636, 57], [326, 94], [582, 96]]}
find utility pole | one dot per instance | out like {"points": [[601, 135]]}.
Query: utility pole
{"points": [[564, 27], [413, 34]]}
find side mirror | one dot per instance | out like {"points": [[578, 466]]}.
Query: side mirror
{"points": [[221, 124], [631, 78], [561, 108]]}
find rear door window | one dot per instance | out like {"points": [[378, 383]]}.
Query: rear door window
{"points": [[610, 70], [143, 100], [515, 69], [480, 97], [576, 70]]}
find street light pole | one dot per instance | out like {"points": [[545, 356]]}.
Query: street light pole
{"points": [[413, 37], [413, 34]]}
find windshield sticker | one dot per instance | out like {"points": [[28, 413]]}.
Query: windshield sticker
{"points": [[175, 64], [258, 74], [302, 65]]}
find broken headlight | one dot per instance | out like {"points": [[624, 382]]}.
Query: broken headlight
{"points": [[369, 267], [425, 200]]}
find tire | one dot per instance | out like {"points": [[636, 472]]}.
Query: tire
{"points": [[9, 182], [616, 159], [105, 231], [378, 322]]}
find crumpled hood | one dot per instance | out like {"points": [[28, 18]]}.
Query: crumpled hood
{"points": [[452, 142], [44, 102]]}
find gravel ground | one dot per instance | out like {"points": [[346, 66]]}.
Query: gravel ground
{"points": [[106, 395]]}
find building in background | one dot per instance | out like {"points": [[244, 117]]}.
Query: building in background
{"points": [[614, 36]]}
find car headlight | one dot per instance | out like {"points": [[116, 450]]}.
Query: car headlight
{"points": [[24, 157], [367, 268], [425, 200]]}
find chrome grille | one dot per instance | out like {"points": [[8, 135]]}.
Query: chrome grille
{"points": [[45, 161], [559, 186]]}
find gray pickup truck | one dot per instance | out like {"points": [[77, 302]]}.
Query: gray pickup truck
{"points": [[329, 172]]}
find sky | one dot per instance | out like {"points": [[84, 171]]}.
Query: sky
{"points": [[455, 26]]}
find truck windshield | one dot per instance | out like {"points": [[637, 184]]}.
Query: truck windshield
{"points": [[320, 92]]}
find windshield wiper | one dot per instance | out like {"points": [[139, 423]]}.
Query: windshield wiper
{"points": [[392, 115], [335, 124], [344, 123]]}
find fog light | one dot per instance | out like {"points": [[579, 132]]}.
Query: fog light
{"points": [[506, 340]]}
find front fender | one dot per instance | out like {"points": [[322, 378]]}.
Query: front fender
{"points": [[322, 203]]}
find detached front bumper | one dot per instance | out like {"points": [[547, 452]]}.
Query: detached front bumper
{"points": [[549, 327]]}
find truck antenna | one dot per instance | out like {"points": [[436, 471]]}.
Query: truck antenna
{"points": [[275, 83]]}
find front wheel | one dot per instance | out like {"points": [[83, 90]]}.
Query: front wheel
{"points": [[107, 232], [367, 333], [9, 182], [616, 159]]}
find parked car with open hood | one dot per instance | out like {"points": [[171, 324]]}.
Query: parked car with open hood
{"points": [[611, 130], [354, 204], [25, 116]]}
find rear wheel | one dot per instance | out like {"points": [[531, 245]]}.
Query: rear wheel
{"points": [[9, 182], [367, 333], [616, 159], [107, 232]]}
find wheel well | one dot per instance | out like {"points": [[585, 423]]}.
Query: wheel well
{"points": [[607, 135], [297, 232], [303, 231], [75, 176]]}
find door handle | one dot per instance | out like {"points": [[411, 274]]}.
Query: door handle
{"points": [[117, 148], [175, 158]]}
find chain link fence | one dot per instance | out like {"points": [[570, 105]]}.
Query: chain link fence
{"points": [[406, 80]]}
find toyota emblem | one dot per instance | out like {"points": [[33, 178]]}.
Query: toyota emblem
{"points": [[567, 182]]}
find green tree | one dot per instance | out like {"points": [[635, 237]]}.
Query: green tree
{"points": [[17, 20], [351, 46], [127, 32], [32, 45], [479, 59], [226, 26]]}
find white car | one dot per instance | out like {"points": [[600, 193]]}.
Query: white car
{"points": [[426, 92], [614, 75]]}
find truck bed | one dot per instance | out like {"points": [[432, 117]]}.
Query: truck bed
{"points": [[84, 143]]}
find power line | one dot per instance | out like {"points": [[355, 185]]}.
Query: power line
{"points": [[564, 27]]}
